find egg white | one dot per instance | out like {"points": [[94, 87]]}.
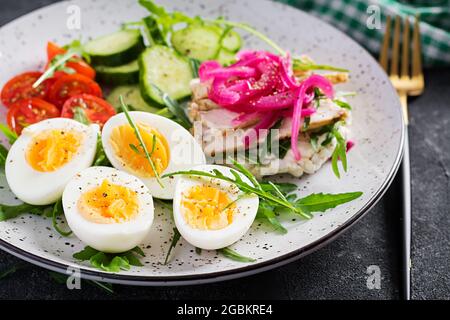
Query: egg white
{"points": [[185, 152], [114, 237], [42, 188], [245, 211]]}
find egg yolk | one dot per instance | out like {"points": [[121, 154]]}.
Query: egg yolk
{"points": [[207, 208], [109, 203], [51, 149], [128, 149]]}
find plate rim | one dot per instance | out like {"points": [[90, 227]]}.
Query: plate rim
{"points": [[211, 277]]}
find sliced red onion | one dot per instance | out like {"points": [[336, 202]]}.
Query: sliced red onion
{"points": [[350, 145], [266, 122], [205, 69]]}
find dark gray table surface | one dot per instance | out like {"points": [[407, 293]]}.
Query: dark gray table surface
{"points": [[337, 271]]}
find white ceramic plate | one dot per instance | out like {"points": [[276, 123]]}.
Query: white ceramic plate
{"points": [[377, 130]]}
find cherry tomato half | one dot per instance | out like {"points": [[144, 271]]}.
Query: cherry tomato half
{"points": [[96, 109], [21, 87], [79, 65], [28, 111], [70, 85]]}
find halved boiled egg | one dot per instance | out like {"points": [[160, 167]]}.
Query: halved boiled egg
{"points": [[210, 213], [46, 156], [170, 146], [109, 210]]}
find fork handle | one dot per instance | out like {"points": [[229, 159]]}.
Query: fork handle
{"points": [[406, 205], [406, 219]]}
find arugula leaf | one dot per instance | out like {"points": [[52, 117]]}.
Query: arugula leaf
{"points": [[340, 151], [320, 202], [134, 148], [306, 124], [3, 155], [283, 147], [176, 237], [100, 157], [233, 255], [85, 254], [342, 104], [334, 162], [59, 62], [243, 26], [153, 7], [138, 251], [174, 107], [62, 279], [165, 204], [9, 134], [10, 270], [165, 21], [195, 65], [243, 186], [58, 210], [10, 212], [80, 115], [314, 142], [301, 65], [58, 277], [110, 262], [286, 188], [267, 213], [141, 141]]}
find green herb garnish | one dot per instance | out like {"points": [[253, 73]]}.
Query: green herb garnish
{"points": [[340, 152], [174, 107], [134, 148], [58, 63], [342, 104], [176, 237], [320, 202], [253, 188], [3, 155], [274, 198], [8, 133], [9, 271], [267, 212], [195, 65], [62, 279], [284, 146], [100, 157], [233, 255], [166, 22], [301, 65], [141, 141], [10, 212], [57, 211], [111, 262], [79, 115]]}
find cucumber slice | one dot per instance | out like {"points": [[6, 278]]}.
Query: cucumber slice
{"points": [[196, 41], [232, 41], [132, 96], [125, 74], [226, 57], [115, 49], [164, 68]]}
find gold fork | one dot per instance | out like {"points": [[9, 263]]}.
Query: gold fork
{"points": [[407, 84]]}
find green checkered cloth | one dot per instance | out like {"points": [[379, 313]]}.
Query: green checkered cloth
{"points": [[355, 18]]}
